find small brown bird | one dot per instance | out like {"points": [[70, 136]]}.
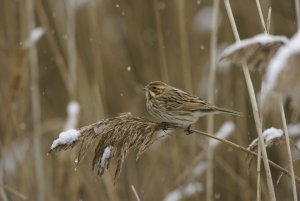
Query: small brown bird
{"points": [[172, 105]]}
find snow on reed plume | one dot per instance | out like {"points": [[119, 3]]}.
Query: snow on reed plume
{"points": [[111, 138], [272, 136], [255, 52], [282, 75]]}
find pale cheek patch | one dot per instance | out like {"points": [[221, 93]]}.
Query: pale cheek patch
{"points": [[152, 94]]}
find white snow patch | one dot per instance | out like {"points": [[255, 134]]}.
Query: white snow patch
{"points": [[294, 129], [73, 109], [260, 38], [184, 191], [271, 134], [105, 156], [278, 62], [34, 36], [224, 132], [66, 137]]}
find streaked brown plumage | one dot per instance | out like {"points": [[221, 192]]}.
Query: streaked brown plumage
{"points": [[172, 105]]}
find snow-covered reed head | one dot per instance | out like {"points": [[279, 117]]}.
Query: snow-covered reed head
{"points": [[255, 52], [282, 79], [111, 138]]}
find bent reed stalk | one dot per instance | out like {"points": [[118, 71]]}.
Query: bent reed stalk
{"points": [[126, 132]]}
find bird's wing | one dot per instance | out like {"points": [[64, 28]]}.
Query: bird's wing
{"points": [[178, 100]]}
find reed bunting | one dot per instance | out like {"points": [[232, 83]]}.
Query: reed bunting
{"points": [[172, 105]]}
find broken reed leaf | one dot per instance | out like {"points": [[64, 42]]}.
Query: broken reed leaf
{"points": [[112, 138], [255, 52], [282, 76], [272, 136]]}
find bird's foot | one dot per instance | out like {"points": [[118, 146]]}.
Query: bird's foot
{"points": [[188, 130], [164, 126]]}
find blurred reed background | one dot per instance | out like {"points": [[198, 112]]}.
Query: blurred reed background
{"points": [[101, 54]]}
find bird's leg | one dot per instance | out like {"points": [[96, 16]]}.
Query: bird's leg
{"points": [[164, 126], [188, 130]]}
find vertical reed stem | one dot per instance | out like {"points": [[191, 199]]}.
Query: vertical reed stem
{"points": [[297, 7], [211, 90], [36, 108], [254, 108], [287, 140], [161, 44], [71, 48], [184, 47]]}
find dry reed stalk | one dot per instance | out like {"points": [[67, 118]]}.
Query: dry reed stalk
{"points": [[116, 136], [266, 30], [36, 108], [211, 92], [258, 170], [3, 194], [18, 72], [98, 84], [254, 107], [53, 46], [71, 49], [290, 159], [184, 47], [297, 7], [161, 44], [261, 16], [135, 193], [247, 151], [12, 191], [258, 167]]}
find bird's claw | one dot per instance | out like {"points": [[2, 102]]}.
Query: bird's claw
{"points": [[164, 126], [188, 130]]}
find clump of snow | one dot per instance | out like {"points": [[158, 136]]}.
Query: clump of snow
{"points": [[294, 129], [105, 156], [73, 109], [224, 132], [270, 135], [66, 137], [184, 191], [279, 62], [260, 38], [34, 36]]}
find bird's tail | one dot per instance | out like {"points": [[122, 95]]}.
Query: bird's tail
{"points": [[228, 111]]}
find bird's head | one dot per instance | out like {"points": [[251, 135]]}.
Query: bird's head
{"points": [[154, 89]]}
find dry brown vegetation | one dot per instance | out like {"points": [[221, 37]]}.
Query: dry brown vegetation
{"points": [[102, 53]]}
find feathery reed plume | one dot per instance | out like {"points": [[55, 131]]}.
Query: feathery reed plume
{"points": [[255, 52], [282, 75], [272, 136], [111, 138]]}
